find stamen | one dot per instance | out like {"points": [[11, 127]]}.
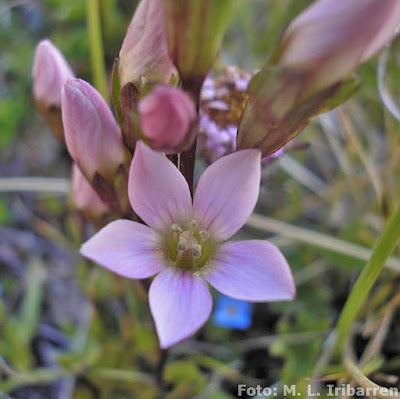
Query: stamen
{"points": [[196, 251], [189, 247], [192, 225], [176, 230], [204, 235], [182, 246]]}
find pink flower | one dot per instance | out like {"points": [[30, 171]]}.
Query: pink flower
{"points": [[50, 72], [332, 37], [184, 241], [166, 118], [144, 51]]}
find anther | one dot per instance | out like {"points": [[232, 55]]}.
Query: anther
{"points": [[182, 246], [175, 228], [196, 251], [204, 236], [192, 225]]}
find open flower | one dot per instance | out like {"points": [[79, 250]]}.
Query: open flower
{"points": [[232, 313], [184, 241]]}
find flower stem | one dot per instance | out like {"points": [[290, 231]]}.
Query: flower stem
{"points": [[188, 158], [96, 48], [161, 367], [187, 165], [367, 278]]}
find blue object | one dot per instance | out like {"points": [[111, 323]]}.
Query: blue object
{"points": [[232, 313]]}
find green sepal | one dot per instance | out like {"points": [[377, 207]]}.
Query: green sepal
{"points": [[115, 89], [195, 29], [276, 111]]}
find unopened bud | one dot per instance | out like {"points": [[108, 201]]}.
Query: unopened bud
{"points": [[167, 115], [85, 198], [95, 143], [50, 72], [331, 38], [144, 52], [93, 137]]}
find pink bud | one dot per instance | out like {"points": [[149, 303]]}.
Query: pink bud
{"points": [[86, 198], [50, 72], [93, 137], [332, 37], [166, 118], [144, 51]]}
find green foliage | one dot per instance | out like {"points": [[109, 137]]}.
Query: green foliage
{"points": [[187, 379], [19, 329]]}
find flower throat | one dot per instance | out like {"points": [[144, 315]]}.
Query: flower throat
{"points": [[188, 247]]}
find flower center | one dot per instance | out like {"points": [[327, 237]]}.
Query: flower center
{"points": [[188, 247]]}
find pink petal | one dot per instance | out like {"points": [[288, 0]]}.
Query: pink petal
{"points": [[227, 193], [127, 248], [252, 271], [180, 303], [157, 190]]}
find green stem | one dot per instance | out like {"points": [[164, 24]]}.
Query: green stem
{"points": [[367, 278], [96, 48], [38, 376]]}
